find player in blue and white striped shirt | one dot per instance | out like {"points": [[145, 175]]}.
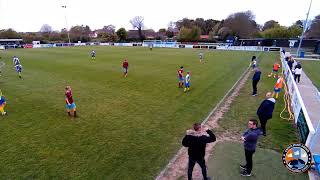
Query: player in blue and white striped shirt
{"points": [[187, 82]]}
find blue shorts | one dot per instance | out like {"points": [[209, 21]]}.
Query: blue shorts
{"points": [[125, 70], [277, 90], [187, 84], [275, 70], [180, 79], [71, 106]]}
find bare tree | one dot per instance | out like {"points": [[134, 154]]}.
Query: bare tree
{"points": [[242, 24], [111, 29], [137, 22], [46, 28], [314, 31]]}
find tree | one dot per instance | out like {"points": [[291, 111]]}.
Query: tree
{"points": [[224, 32], [111, 29], [122, 34], [9, 34], [185, 22], [189, 34], [80, 33], [29, 37], [295, 31], [314, 31], [46, 28], [242, 24], [201, 24], [299, 23], [137, 22], [171, 29], [276, 32], [162, 30], [172, 26], [270, 24], [210, 24], [107, 37]]}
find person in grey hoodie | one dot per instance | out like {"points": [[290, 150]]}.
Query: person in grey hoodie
{"points": [[250, 139], [265, 111]]}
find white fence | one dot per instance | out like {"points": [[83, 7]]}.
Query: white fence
{"points": [[302, 119]]}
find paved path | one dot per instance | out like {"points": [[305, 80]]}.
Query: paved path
{"points": [[311, 98]]}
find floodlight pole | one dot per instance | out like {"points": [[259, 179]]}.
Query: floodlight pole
{"points": [[304, 29], [65, 17]]}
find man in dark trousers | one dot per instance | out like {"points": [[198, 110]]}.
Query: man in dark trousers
{"points": [[196, 140], [265, 111], [255, 80], [290, 63], [250, 139]]}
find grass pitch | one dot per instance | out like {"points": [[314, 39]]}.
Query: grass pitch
{"points": [[311, 68], [128, 128]]}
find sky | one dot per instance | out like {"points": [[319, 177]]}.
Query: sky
{"points": [[30, 15]]}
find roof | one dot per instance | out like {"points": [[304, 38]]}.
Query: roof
{"points": [[13, 40], [204, 36]]}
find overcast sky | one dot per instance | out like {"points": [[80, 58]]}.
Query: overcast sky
{"points": [[30, 15]]}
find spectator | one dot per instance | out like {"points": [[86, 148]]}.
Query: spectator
{"points": [[254, 62], [290, 63], [265, 111], [250, 139], [196, 140], [297, 73], [255, 80]]}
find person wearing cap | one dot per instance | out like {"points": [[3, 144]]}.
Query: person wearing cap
{"points": [[196, 140]]}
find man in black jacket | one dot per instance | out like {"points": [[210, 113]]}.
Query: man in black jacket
{"points": [[196, 141], [255, 80], [265, 111]]}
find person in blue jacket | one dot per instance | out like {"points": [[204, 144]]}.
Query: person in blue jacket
{"points": [[250, 138]]}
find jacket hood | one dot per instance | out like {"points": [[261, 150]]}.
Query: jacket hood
{"points": [[192, 132], [272, 100]]}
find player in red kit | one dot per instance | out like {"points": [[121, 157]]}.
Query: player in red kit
{"points": [[180, 77], [125, 66], [70, 105]]}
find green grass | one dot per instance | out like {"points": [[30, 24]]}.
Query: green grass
{"points": [[128, 128], [280, 133], [227, 157], [311, 68]]}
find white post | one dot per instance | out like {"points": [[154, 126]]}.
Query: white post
{"points": [[65, 17], [303, 30]]}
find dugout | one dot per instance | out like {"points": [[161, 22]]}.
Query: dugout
{"points": [[11, 43], [317, 48], [278, 42]]}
